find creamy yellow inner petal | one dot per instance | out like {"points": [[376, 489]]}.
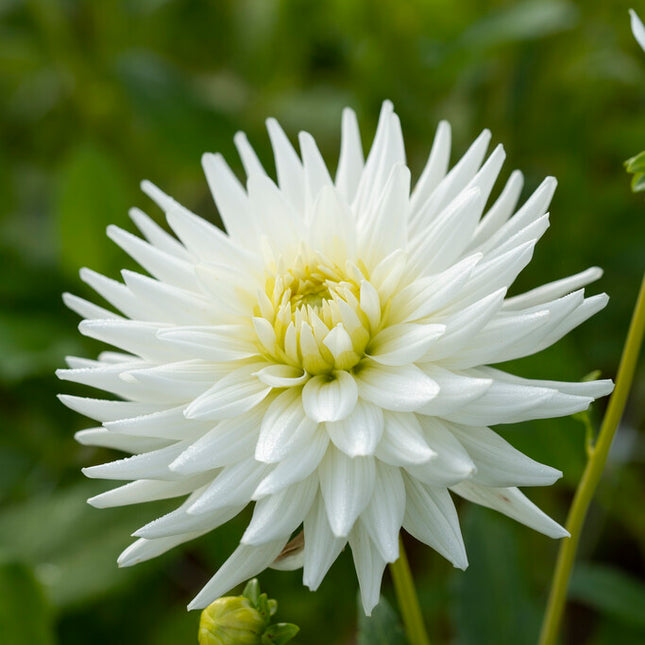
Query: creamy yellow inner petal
{"points": [[313, 309]]}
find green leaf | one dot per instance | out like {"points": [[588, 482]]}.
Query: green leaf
{"points": [[279, 633], [382, 627], [24, 615], [636, 163], [493, 604], [638, 182], [609, 591], [93, 194]]}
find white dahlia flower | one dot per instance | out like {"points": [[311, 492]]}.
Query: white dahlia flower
{"points": [[327, 357]]}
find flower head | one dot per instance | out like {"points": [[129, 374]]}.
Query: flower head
{"points": [[328, 356]]}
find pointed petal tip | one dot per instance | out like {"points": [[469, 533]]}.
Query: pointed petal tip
{"points": [[195, 603], [146, 186]]}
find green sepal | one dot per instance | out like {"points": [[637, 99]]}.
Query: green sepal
{"points": [[263, 607], [252, 591], [279, 634]]}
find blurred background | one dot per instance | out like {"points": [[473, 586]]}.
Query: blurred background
{"points": [[95, 96]]}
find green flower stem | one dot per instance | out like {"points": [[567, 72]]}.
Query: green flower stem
{"points": [[406, 596], [593, 471]]}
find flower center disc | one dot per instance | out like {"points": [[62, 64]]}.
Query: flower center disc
{"points": [[316, 320]]}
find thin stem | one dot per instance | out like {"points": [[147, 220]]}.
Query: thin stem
{"points": [[406, 596], [592, 473]]}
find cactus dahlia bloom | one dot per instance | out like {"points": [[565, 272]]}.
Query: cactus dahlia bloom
{"points": [[327, 358]]}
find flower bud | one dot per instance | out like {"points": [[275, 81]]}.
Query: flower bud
{"points": [[231, 621]]}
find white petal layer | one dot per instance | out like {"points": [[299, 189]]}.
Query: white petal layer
{"points": [[513, 503], [244, 563], [327, 355]]}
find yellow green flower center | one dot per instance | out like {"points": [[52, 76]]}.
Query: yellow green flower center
{"points": [[315, 317]]}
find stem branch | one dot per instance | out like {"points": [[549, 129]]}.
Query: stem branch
{"points": [[592, 473]]}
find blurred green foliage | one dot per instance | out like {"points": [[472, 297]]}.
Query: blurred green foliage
{"points": [[95, 96]]}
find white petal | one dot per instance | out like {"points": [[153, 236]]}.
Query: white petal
{"points": [[316, 173], [403, 443], [179, 521], [369, 565], [431, 518], [593, 389], [452, 184], [385, 229], [534, 208], [500, 211], [103, 410], [637, 28], [234, 394], [451, 464], [330, 398], [87, 309], [403, 344], [291, 177], [346, 485], [500, 340], [228, 442], [402, 389], [510, 400], [167, 423], [231, 200], [424, 296], [244, 563], [360, 432], [513, 503], [370, 304], [502, 403], [295, 467], [350, 161], [438, 246], [332, 230], [284, 427], [205, 240], [274, 213], [553, 290], [234, 485], [340, 344], [157, 236], [162, 265], [278, 376], [147, 490], [116, 294], [143, 549], [149, 465], [435, 168], [278, 515], [455, 390], [463, 324], [498, 463], [132, 336], [249, 159], [105, 439], [322, 547], [384, 514], [501, 271]]}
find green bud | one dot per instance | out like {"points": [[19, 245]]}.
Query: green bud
{"points": [[231, 621]]}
